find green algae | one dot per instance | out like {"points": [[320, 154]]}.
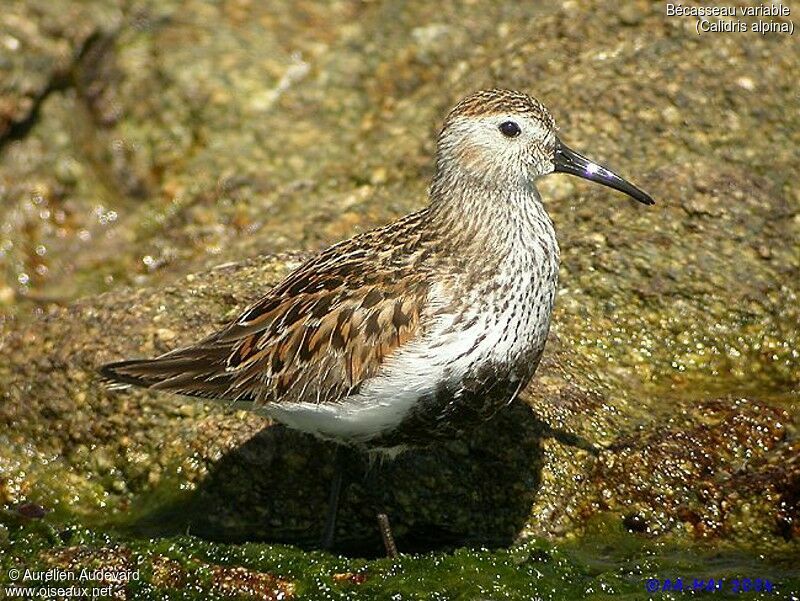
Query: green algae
{"points": [[606, 563]]}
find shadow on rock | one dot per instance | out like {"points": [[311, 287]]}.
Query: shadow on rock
{"points": [[474, 490]]}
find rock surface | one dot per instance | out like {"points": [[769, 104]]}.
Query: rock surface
{"points": [[139, 144], [701, 467]]}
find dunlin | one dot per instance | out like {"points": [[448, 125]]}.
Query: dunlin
{"points": [[413, 331]]}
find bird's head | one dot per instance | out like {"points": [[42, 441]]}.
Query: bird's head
{"points": [[503, 138]]}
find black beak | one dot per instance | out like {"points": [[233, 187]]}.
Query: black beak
{"points": [[567, 160]]}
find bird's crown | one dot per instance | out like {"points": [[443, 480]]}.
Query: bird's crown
{"points": [[494, 101]]}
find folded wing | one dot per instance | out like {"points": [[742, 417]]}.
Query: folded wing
{"points": [[316, 337]]}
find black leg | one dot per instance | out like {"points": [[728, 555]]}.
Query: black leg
{"points": [[333, 498], [386, 535]]}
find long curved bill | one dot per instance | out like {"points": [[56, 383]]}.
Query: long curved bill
{"points": [[568, 161]]}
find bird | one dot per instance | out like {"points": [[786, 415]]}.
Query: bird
{"points": [[413, 332]]}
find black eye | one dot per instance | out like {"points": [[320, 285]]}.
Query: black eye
{"points": [[510, 129]]}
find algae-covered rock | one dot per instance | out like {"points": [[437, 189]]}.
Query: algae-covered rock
{"points": [[40, 43], [125, 456], [142, 141], [249, 480]]}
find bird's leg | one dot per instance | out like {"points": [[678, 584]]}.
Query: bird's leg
{"points": [[386, 535], [339, 460], [376, 463]]}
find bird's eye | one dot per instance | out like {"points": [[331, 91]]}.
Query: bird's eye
{"points": [[510, 129]]}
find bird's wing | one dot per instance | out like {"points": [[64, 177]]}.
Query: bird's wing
{"points": [[315, 337]]}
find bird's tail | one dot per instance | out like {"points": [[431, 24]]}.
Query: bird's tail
{"points": [[193, 371], [137, 372]]}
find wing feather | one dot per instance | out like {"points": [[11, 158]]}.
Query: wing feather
{"points": [[315, 337]]}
